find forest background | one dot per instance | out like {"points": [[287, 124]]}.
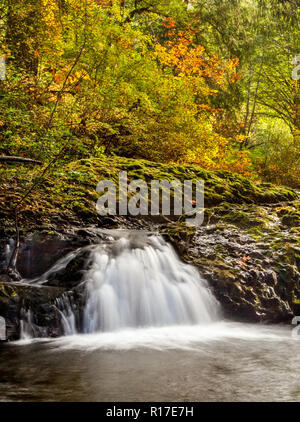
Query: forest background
{"points": [[203, 82]]}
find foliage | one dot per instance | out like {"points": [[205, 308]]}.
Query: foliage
{"points": [[68, 193], [277, 158], [130, 93], [156, 80]]}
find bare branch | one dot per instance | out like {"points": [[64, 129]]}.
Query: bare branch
{"points": [[6, 158]]}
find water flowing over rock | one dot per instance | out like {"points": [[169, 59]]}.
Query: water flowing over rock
{"points": [[131, 280], [144, 286], [67, 310], [248, 254]]}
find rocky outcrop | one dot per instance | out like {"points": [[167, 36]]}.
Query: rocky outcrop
{"points": [[15, 301], [248, 247], [58, 276], [250, 255]]}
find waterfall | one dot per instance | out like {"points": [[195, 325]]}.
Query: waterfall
{"points": [[133, 281], [66, 308], [144, 286], [27, 330]]}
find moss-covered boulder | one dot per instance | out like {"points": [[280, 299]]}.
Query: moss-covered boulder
{"points": [[68, 195]]}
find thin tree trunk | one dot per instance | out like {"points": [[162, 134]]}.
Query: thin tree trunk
{"points": [[255, 99], [7, 158]]}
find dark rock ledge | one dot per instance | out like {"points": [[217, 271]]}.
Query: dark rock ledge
{"points": [[250, 255]]}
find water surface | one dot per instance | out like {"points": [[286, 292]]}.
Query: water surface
{"points": [[213, 362]]}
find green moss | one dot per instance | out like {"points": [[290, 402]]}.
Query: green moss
{"points": [[245, 219], [291, 219], [7, 290], [71, 190], [178, 231]]}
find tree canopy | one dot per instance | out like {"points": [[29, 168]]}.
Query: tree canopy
{"points": [[206, 82]]}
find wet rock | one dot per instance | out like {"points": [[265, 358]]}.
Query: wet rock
{"points": [[253, 268], [41, 248], [71, 275], [106, 221], [17, 298], [249, 257], [270, 277]]}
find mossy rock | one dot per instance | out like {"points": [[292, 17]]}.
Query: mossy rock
{"points": [[177, 232], [291, 219], [69, 192], [245, 219]]}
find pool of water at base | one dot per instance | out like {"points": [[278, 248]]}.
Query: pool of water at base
{"points": [[222, 361]]}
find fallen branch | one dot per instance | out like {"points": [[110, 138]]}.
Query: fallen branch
{"points": [[7, 158]]}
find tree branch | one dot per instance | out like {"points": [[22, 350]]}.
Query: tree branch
{"points": [[62, 91], [6, 158]]}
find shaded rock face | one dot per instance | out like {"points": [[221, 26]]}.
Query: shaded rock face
{"points": [[244, 278], [72, 274], [39, 250], [38, 308], [17, 299], [36, 302]]}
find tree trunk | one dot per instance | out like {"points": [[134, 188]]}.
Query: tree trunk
{"points": [[4, 158]]}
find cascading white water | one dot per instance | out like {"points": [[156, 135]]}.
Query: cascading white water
{"points": [[143, 286], [134, 281], [64, 306], [26, 325]]}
